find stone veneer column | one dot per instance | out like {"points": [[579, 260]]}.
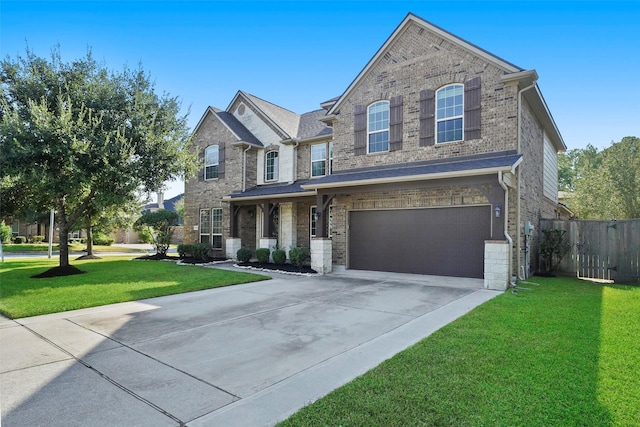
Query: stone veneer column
{"points": [[232, 246], [288, 227], [496, 264], [321, 248]]}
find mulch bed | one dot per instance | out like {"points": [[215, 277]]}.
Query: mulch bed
{"points": [[187, 260], [288, 268], [68, 270]]}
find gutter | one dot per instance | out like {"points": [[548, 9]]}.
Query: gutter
{"points": [[269, 196]]}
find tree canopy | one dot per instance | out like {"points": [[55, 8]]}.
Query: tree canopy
{"points": [[80, 138], [604, 184]]}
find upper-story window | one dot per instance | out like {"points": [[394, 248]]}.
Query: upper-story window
{"points": [[271, 166], [450, 113], [318, 160], [211, 162], [378, 126]]}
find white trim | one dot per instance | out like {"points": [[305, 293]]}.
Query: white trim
{"points": [[276, 168], [207, 165], [325, 160], [308, 193]]}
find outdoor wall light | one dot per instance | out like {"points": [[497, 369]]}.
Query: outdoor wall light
{"points": [[497, 211]]}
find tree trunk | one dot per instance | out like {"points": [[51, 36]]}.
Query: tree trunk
{"points": [[64, 244], [89, 235]]}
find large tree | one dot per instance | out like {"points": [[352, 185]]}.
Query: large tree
{"points": [[83, 138], [605, 184]]}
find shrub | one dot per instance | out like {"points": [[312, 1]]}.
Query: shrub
{"points": [[102, 239], [554, 247], [83, 240], [38, 239], [5, 232], [162, 222], [196, 250], [279, 256], [263, 255], [19, 240], [145, 236], [243, 255], [298, 256]]}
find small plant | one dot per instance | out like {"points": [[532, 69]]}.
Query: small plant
{"points": [[243, 255], [38, 239], [553, 248], [298, 256], [279, 256], [5, 233], [18, 240], [263, 255], [145, 236], [102, 239]]}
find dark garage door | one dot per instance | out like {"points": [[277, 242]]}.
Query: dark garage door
{"points": [[441, 241]]}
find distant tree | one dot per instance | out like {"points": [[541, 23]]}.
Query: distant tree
{"points": [[606, 184], [160, 224], [79, 138], [179, 207]]}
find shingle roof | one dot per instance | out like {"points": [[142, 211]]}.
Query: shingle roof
{"points": [[311, 126], [287, 120], [237, 127], [273, 190], [489, 161]]}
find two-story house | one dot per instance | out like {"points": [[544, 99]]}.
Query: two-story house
{"points": [[439, 158]]}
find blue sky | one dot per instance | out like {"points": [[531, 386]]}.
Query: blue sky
{"points": [[299, 53]]}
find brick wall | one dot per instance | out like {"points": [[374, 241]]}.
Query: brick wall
{"points": [[420, 60]]}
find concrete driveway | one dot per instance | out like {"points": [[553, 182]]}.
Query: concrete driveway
{"points": [[245, 355]]}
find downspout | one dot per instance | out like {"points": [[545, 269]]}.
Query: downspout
{"points": [[244, 167], [506, 224], [519, 245]]}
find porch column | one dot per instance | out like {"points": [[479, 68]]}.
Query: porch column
{"points": [[322, 209], [321, 250], [266, 241], [288, 229]]}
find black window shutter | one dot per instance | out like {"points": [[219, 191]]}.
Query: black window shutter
{"points": [[427, 117], [201, 163], [472, 100], [395, 123], [221, 160], [360, 130]]}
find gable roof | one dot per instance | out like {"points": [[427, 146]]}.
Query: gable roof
{"points": [[236, 128], [411, 18], [284, 120]]}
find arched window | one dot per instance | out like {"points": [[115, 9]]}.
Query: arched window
{"points": [[450, 113], [378, 127], [271, 166], [211, 162]]}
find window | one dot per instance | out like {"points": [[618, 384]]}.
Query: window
{"points": [[211, 162], [205, 226], [318, 160], [449, 113], [313, 221], [216, 228], [271, 166], [330, 158], [378, 127]]}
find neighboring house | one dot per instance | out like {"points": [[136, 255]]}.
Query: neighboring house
{"points": [[439, 158]]}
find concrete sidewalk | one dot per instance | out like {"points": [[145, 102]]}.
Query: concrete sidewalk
{"points": [[246, 355]]}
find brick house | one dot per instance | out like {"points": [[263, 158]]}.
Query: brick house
{"points": [[439, 158]]}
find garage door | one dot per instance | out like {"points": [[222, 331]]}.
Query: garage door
{"points": [[442, 241]]}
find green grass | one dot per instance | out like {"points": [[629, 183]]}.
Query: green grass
{"points": [[565, 353], [75, 247], [106, 281]]}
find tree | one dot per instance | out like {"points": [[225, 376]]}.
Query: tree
{"points": [[160, 224], [80, 138], [606, 184]]}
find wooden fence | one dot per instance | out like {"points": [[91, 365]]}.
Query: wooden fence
{"points": [[608, 250]]}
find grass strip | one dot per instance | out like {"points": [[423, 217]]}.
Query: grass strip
{"points": [[106, 281], [565, 353]]}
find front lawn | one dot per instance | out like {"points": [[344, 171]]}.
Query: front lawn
{"points": [[74, 247], [106, 281], [565, 353]]}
